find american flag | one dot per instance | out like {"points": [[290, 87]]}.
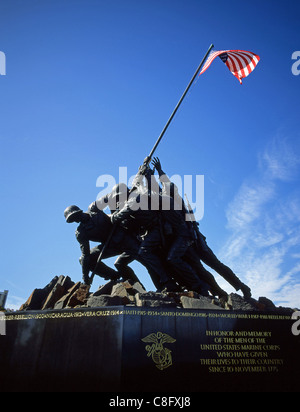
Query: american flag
{"points": [[240, 62]]}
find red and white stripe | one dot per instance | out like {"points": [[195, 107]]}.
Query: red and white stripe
{"points": [[240, 62]]}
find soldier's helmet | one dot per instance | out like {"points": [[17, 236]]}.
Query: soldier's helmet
{"points": [[71, 212]]}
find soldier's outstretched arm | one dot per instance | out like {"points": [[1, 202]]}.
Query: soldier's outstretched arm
{"points": [[162, 175]]}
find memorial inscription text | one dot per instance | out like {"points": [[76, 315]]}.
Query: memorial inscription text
{"points": [[241, 351]]}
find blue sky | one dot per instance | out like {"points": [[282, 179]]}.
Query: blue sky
{"points": [[89, 86]]}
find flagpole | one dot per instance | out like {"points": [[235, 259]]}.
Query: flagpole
{"points": [[146, 163], [178, 104]]}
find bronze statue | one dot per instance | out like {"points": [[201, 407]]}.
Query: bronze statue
{"points": [[203, 251], [171, 247], [97, 227], [165, 259]]}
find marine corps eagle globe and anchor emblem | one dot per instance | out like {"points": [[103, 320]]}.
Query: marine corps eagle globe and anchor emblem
{"points": [[161, 356]]}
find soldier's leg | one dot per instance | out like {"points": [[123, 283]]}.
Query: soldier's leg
{"points": [[147, 253], [122, 267], [210, 259], [131, 252], [102, 270], [193, 259], [183, 270]]}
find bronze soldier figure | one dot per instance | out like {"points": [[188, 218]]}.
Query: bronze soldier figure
{"points": [[149, 220], [97, 227], [204, 252]]}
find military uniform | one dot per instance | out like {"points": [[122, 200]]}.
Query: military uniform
{"points": [[144, 222], [205, 254], [97, 227]]}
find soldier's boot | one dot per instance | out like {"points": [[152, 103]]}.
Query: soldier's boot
{"points": [[245, 290]]}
